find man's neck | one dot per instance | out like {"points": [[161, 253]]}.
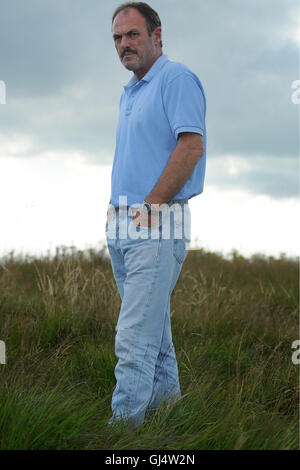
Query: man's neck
{"points": [[141, 73]]}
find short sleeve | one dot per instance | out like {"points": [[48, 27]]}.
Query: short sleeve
{"points": [[184, 104]]}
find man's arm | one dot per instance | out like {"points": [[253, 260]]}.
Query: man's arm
{"points": [[181, 164]]}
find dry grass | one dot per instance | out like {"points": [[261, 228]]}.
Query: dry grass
{"points": [[233, 326]]}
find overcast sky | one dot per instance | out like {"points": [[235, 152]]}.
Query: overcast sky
{"points": [[64, 79]]}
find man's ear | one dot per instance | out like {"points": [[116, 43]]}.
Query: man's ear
{"points": [[157, 35]]}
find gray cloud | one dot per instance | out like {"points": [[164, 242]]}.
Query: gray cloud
{"points": [[64, 79], [276, 177]]}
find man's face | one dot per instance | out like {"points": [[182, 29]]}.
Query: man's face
{"points": [[136, 49]]}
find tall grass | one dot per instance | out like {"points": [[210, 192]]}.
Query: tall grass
{"points": [[233, 325]]}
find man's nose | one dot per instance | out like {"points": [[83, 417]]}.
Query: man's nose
{"points": [[124, 42]]}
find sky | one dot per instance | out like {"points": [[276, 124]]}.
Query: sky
{"points": [[63, 83]]}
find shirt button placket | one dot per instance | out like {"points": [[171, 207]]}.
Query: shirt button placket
{"points": [[130, 101]]}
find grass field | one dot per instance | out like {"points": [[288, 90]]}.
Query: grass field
{"points": [[234, 322]]}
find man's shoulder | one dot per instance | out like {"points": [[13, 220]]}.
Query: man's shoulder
{"points": [[173, 70]]}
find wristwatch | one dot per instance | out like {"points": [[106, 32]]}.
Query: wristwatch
{"points": [[146, 206]]}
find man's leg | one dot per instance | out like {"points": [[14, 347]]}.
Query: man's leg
{"points": [[140, 326], [152, 269], [118, 267], [166, 381]]}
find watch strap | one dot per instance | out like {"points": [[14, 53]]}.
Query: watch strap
{"points": [[147, 206]]}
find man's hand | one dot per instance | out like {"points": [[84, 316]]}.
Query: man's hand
{"points": [[143, 219]]}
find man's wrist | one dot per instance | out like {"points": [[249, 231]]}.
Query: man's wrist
{"points": [[150, 207]]}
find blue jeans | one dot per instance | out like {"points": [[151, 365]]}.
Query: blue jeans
{"points": [[146, 270]]}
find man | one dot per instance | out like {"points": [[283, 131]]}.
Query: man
{"points": [[159, 162]]}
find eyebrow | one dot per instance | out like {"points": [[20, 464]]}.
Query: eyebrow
{"points": [[115, 36]]}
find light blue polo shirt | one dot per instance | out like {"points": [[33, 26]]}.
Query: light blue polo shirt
{"points": [[168, 100]]}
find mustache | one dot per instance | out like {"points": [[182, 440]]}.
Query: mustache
{"points": [[127, 50]]}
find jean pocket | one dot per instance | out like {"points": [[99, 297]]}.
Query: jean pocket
{"points": [[179, 250]]}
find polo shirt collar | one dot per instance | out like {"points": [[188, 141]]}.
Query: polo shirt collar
{"points": [[156, 67]]}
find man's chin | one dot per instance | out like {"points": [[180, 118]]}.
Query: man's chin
{"points": [[130, 65], [129, 60], [131, 68]]}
